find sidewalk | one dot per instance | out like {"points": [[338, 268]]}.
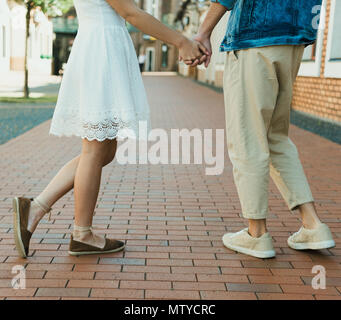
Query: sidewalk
{"points": [[172, 218], [17, 117], [12, 83]]}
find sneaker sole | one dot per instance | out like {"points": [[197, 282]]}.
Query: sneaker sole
{"points": [[83, 253], [16, 223], [253, 253], [312, 245]]}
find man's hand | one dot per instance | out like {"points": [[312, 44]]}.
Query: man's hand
{"points": [[214, 14], [206, 42]]}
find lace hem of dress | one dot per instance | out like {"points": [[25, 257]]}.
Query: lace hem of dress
{"points": [[109, 128]]}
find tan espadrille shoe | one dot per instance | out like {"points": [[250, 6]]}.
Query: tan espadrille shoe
{"points": [[314, 239], [22, 237], [77, 248], [244, 243]]}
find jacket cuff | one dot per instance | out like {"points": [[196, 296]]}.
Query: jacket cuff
{"points": [[228, 4]]}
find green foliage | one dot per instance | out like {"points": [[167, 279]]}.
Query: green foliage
{"points": [[51, 7], [52, 99]]}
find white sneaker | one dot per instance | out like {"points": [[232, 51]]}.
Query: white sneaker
{"points": [[314, 239], [244, 243]]}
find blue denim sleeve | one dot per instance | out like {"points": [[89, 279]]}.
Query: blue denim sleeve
{"points": [[229, 4]]}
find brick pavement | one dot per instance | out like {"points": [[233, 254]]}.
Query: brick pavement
{"points": [[172, 218]]}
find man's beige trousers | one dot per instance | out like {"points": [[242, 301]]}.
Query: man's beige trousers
{"points": [[258, 86]]}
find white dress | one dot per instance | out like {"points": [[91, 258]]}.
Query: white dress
{"points": [[102, 95]]}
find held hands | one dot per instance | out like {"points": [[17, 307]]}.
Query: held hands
{"points": [[193, 53], [205, 40]]}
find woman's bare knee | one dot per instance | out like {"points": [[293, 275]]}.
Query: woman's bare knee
{"points": [[95, 149], [111, 152]]}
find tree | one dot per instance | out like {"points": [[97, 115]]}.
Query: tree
{"points": [[51, 8], [186, 4], [181, 13]]}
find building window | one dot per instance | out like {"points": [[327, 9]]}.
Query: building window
{"points": [[46, 47], [152, 7], [41, 44], [30, 44], [165, 51], [310, 53], [335, 50], [333, 55], [150, 59], [3, 32]]}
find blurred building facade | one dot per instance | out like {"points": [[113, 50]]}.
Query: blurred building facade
{"points": [[317, 90], [65, 29], [159, 55], [194, 15], [12, 39], [51, 40]]}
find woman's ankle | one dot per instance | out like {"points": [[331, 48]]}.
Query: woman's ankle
{"points": [[86, 235], [36, 213]]}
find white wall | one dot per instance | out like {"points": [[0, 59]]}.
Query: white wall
{"points": [[40, 41]]}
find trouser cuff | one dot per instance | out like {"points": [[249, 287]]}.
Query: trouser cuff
{"points": [[255, 216], [294, 204]]}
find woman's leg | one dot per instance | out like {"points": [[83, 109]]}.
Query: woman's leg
{"points": [[94, 156], [60, 185], [87, 182]]}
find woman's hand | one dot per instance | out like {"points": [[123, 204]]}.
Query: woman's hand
{"points": [[192, 52]]}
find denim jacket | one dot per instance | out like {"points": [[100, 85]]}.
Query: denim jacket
{"points": [[259, 23]]}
